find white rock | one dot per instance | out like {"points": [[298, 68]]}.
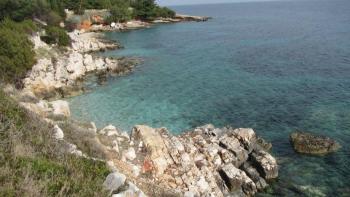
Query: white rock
{"points": [[130, 154], [93, 127], [115, 146], [60, 108], [100, 64], [75, 65], [114, 181], [109, 130], [89, 63], [132, 191], [111, 166], [186, 159], [203, 185], [58, 133], [189, 194], [136, 170], [178, 145]]}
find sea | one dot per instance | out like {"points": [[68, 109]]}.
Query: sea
{"points": [[275, 66]]}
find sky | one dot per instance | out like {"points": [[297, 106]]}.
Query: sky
{"points": [[186, 2]]}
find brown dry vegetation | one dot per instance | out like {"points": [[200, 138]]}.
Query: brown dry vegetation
{"points": [[34, 164]]}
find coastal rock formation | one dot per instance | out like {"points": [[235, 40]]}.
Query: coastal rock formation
{"points": [[59, 73], [183, 17], [309, 143], [90, 42], [207, 161]]}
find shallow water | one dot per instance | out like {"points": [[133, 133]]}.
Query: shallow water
{"points": [[272, 66]]}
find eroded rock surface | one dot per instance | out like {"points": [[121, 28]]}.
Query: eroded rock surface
{"points": [[207, 161], [58, 73], [309, 143]]}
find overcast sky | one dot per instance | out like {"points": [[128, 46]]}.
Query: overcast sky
{"points": [[185, 2]]}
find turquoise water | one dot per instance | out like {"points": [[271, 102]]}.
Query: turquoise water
{"points": [[272, 66]]}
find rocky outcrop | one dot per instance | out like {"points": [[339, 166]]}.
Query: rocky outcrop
{"points": [[183, 17], [207, 161], [309, 143], [59, 73], [90, 42]]}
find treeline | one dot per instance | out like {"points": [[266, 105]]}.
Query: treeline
{"points": [[52, 11]]}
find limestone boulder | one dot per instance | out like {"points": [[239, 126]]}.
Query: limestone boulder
{"points": [[109, 130], [58, 133], [308, 143], [236, 179], [60, 108], [75, 65], [114, 181], [265, 164], [154, 145]]}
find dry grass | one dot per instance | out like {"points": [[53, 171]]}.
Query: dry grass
{"points": [[33, 164]]}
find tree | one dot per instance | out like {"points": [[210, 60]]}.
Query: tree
{"points": [[144, 9], [16, 51], [120, 12], [164, 12]]}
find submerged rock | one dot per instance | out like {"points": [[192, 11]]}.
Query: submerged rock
{"points": [[309, 143]]}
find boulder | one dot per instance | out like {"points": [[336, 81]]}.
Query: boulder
{"points": [[203, 185], [58, 133], [254, 175], [246, 136], [233, 145], [114, 181], [130, 154], [109, 130], [75, 65], [132, 191], [89, 63], [60, 108], [265, 164], [154, 145], [236, 179], [309, 143]]}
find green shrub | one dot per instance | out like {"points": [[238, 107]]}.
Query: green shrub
{"points": [[56, 35], [16, 51]]}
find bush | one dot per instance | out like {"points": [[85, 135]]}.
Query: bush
{"points": [[56, 35], [16, 51]]}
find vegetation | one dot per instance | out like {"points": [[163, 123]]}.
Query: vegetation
{"points": [[52, 11], [32, 163], [16, 50], [56, 35], [120, 12]]}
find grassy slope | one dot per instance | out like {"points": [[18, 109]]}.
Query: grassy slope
{"points": [[33, 164]]}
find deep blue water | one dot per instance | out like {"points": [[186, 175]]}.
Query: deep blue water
{"points": [[272, 66]]}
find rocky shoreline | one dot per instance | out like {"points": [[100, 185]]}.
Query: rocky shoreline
{"points": [[206, 161], [59, 73]]}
